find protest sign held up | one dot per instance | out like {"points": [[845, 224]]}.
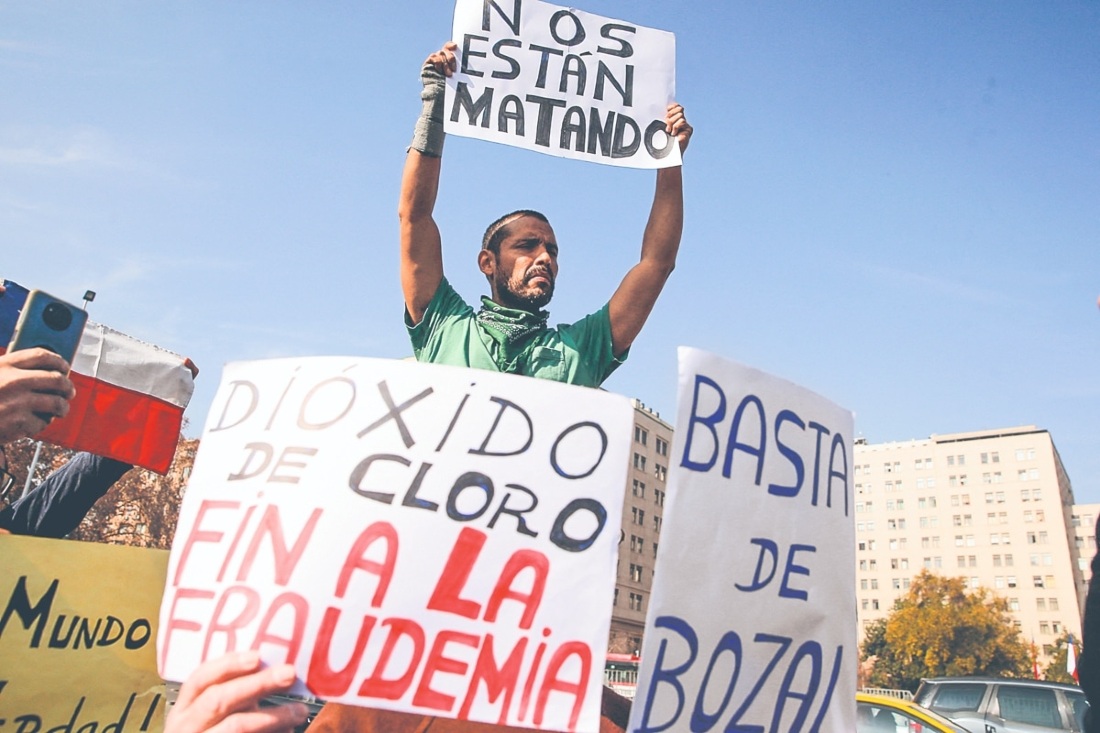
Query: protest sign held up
{"points": [[751, 625], [563, 82], [77, 632], [411, 537]]}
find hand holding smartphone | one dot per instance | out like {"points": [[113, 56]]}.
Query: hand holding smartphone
{"points": [[50, 323]]}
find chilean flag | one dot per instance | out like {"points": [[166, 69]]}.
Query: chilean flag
{"points": [[1071, 660], [130, 395]]}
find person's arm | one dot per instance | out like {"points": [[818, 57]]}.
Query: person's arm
{"points": [[34, 389], [421, 247], [58, 505], [225, 693], [633, 300]]}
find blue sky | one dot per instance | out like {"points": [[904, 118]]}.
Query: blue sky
{"points": [[894, 204]]}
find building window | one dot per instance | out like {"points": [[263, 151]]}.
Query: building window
{"points": [[639, 461], [639, 489], [662, 447], [639, 515], [640, 435], [660, 471], [636, 573], [635, 601]]}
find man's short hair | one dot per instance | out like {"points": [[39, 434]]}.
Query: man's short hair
{"points": [[496, 232]]}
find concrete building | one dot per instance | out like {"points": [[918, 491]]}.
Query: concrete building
{"points": [[994, 507], [642, 513], [1084, 538]]}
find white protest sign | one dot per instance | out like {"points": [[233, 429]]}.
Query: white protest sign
{"points": [[563, 82], [752, 621], [411, 537]]}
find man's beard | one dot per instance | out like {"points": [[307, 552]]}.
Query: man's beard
{"points": [[530, 300]]}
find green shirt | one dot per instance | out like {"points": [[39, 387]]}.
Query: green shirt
{"points": [[452, 333]]}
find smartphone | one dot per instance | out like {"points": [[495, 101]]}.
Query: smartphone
{"points": [[49, 323]]}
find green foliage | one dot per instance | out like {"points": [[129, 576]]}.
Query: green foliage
{"points": [[940, 629]]}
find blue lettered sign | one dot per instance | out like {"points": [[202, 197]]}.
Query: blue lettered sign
{"points": [[751, 624]]}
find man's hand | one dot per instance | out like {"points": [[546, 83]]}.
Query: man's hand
{"points": [[34, 389], [224, 694], [444, 60], [677, 126]]}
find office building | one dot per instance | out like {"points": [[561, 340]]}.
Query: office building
{"points": [[994, 507], [1084, 539], [642, 512]]}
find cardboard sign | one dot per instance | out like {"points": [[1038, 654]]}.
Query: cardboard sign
{"points": [[752, 620], [411, 537], [563, 82], [76, 637]]}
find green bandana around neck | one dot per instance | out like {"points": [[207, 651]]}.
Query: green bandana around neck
{"points": [[509, 325]]}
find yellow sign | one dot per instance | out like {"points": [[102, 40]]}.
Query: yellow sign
{"points": [[78, 630]]}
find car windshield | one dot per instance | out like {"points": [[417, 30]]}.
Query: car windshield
{"points": [[883, 718]]}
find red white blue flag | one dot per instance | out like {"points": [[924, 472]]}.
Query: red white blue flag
{"points": [[130, 395]]}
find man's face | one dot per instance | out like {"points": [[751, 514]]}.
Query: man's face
{"points": [[522, 276]]}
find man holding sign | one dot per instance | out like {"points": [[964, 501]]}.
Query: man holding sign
{"points": [[519, 258]]}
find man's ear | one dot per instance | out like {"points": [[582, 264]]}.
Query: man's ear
{"points": [[486, 262]]}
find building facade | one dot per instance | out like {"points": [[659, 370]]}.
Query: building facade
{"points": [[1084, 538], [994, 507], [643, 509]]}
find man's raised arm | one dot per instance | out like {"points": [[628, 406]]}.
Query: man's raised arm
{"points": [[632, 302], [421, 248]]}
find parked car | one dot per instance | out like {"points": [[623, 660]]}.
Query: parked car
{"points": [[882, 714], [992, 705]]}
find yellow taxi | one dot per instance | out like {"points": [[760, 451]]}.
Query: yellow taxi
{"points": [[882, 714]]}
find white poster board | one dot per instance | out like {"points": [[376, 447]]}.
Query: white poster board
{"points": [[410, 537], [563, 82], [752, 621]]}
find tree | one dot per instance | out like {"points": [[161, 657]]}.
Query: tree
{"points": [[141, 509], [938, 629]]}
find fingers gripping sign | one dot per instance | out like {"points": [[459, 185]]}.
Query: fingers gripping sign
{"points": [[444, 60], [224, 695], [677, 126]]}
